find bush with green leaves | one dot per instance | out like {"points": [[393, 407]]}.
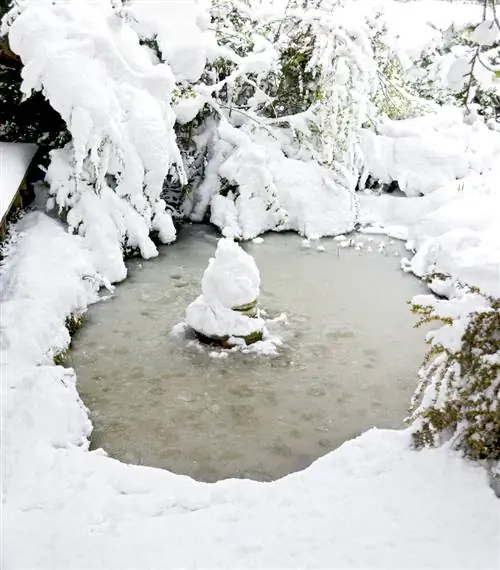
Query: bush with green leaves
{"points": [[458, 397]]}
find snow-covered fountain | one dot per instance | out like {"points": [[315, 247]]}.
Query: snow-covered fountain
{"points": [[227, 312]]}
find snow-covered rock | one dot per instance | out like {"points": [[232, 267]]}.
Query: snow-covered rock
{"points": [[230, 289], [232, 276]]}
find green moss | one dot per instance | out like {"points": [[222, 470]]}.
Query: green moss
{"points": [[223, 342], [60, 358], [73, 323]]}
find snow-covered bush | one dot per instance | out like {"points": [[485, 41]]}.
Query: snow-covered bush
{"points": [[155, 104], [458, 397], [117, 106], [464, 66], [285, 85]]}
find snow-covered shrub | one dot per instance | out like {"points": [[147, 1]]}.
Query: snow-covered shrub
{"points": [[395, 96], [458, 397], [116, 104], [293, 85], [464, 67]]}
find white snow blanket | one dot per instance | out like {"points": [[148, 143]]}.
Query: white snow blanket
{"points": [[373, 503], [15, 159], [455, 227], [427, 152]]}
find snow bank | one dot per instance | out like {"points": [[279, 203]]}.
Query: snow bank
{"points": [[427, 152], [454, 230], [15, 159], [372, 503], [48, 275], [273, 192]]}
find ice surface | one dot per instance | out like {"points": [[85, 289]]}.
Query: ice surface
{"points": [[335, 374]]}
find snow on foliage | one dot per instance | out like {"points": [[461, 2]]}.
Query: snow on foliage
{"points": [[116, 104], [287, 83], [459, 392], [425, 153]]}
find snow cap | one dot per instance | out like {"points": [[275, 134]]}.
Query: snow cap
{"points": [[232, 278]]}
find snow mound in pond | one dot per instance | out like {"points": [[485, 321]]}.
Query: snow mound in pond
{"points": [[232, 276], [231, 279], [216, 321]]}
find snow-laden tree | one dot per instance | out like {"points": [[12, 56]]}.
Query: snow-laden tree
{"points": [[463, 67], [214, 107], [295, 83], [116, 103]]}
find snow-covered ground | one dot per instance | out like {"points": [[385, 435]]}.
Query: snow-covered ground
{"points": [[454, 225], [373, 503]]}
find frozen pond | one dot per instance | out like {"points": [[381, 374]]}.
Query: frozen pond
{"points": [[349, 361]]}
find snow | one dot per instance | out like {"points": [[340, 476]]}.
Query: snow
{"points": [[232, 276], [425, 153], [230, 280], [454, 228], [15, 159], [415, 27], [116, 104], [175, 26], [274, 191], [374, 502], [487, 33]]}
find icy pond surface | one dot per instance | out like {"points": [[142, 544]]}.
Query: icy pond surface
{"points": [[349, 361]]}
